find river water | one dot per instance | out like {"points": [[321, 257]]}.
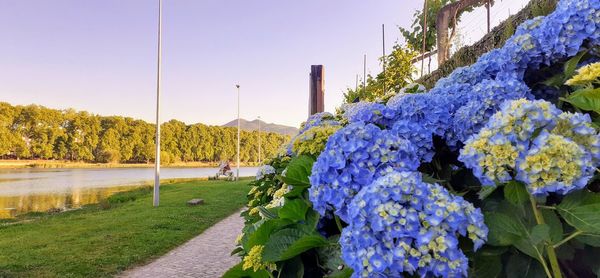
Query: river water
{"points": [[27, 190]]}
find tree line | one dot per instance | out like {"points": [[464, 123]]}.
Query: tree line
{"points": [[37, 132]]}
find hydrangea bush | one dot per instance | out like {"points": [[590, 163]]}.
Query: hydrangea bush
{"points": [[491, 173], [400, 224]]}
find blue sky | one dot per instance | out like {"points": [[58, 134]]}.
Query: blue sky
{"points": [[100, 56]]}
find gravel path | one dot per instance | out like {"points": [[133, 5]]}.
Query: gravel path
{"points": [[206, 255]]}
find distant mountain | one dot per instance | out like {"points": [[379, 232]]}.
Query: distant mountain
{"points": [[253, 125]]}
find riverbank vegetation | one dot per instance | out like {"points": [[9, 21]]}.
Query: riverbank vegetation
{"points": [[45, 163], [105, 239], [37, 132]]}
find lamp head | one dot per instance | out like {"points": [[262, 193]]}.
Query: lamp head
{"points": [[237, 86]]}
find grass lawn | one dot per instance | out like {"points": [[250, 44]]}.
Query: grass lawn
{"points": [[105, 239]]}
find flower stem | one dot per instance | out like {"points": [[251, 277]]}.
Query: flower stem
{"points": [[338, 223], [573, 235], [543, 262], [546, 207], [539, 218]]}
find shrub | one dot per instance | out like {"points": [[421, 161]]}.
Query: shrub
{"points": [[489, 173]]}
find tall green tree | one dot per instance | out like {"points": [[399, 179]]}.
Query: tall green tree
{"points": [[40, 133]]}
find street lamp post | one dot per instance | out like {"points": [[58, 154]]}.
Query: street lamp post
{"points": [[237, 176], [157, 155], [259, 158]]}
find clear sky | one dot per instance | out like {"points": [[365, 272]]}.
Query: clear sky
{"points": [[100, 55]]}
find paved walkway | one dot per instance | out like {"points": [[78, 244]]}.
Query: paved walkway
{"points": [[206, 255]]}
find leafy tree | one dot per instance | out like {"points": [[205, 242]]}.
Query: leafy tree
{"points": [[84, 132], [398, 74], [40, 133]]}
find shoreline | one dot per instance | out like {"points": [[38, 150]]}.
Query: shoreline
{"points": [[62, 164], [7, 217]]}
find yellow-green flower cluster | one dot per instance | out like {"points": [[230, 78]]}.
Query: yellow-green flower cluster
{"points": [[554, 164], [536, 143], [312, 141], [239, 238], [585, 75], [278, 196], [578, 128], [254, 260], [254, 211], [496, 156]]}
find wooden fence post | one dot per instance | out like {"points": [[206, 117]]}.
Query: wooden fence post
{"points": [[316, 100], [442, 23]]}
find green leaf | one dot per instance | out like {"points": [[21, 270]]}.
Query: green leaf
{"points": [[236, 250], [288, 243], [592, 240], [571, 64], [488, 250], [238, 272], [540, 233], [582, 211], [312, 219], [486, 266], [507, 230], [297, 191], [519, 266], [266, 213], [556, 228], [294, 210], [585, 99], [516, 193], [429, 179], [596, 122], [503, 229], [262, 233], [532, 243], [292, 268], [330, 258], [345, 272], [486, 191], [555, 81], [298, 171]]}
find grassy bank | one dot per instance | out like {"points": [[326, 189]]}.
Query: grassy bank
{"points": [[16, 164], [105, 239]]}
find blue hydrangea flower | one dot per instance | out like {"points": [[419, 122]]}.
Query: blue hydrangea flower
{"points": [[353, 157], [484, 101], [264, 171], [518, 120], [401, 225], [367, 112], [425, 109], [420, 137]]}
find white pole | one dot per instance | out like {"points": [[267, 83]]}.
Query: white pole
{"points": [[365, 74], [157, 142], [259, 160], [238, 135]]}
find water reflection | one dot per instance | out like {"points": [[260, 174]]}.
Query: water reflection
{"points": [[27, 190], [11, 206]]}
